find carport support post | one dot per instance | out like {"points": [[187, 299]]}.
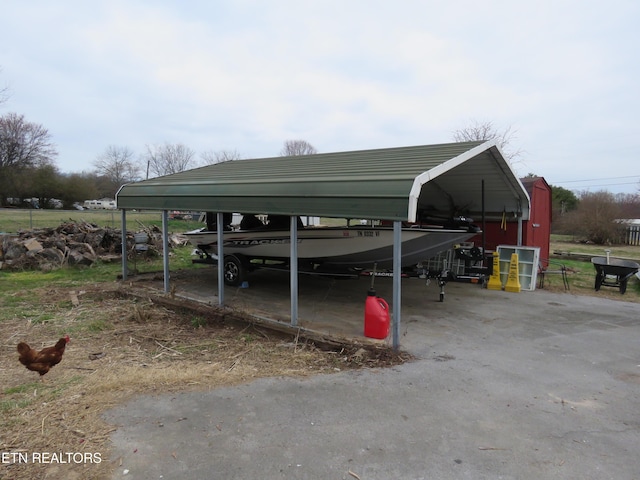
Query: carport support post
{"points": [[165, 249], [397, 255], [519, 231], [293, 267], [220, 233], [125, 266]]}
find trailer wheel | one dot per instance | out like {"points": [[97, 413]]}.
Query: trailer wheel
{"points": [[234, 271], [598, 282]]}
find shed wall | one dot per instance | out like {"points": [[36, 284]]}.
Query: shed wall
{"points": [[536, 230]]}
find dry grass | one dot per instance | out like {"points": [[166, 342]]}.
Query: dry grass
{"points": [[124, 345]]}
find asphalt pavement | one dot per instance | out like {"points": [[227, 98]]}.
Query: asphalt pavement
{"points": [[523, 385]]}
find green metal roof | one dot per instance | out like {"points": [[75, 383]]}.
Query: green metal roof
{"points": [[390, 183]]}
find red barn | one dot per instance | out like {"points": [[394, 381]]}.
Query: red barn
{"points": [[536, 232]]}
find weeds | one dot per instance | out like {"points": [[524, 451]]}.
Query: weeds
{"points": [[198, 322]]}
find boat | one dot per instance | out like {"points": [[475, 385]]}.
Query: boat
{"points": [[324, 249]]}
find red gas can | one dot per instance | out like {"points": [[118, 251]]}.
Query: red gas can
{"points": [[376, 316]]}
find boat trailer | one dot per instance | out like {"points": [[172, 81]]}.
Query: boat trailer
{"points": [[236, 267], [441, 277]]}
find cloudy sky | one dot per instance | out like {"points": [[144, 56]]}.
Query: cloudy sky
{"points": [[246, 76]]}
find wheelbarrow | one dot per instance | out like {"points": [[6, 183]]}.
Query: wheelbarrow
{"points": [[614, 272]]}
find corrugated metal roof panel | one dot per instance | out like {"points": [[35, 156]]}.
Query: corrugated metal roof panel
{"points": [[359, 184]]}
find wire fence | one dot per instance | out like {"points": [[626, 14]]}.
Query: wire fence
{"points": [[13, 220]]}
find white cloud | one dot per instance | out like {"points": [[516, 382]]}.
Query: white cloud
{"points": [[248, 75]]}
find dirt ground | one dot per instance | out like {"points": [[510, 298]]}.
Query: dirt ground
{"points": [[127, 341]]}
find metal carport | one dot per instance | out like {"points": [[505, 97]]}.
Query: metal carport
{"points": [[467, 178]]}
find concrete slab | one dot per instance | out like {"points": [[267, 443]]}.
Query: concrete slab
{"points": [[513, 386], [327, 304]]}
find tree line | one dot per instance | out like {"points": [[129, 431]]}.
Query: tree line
{"points": [[30, 177], [28, 171], [593, 217]]}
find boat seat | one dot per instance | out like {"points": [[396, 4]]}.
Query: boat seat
{"points": [[552, 268], [250, 222], [212, 221]]}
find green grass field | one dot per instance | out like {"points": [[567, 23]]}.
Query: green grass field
{"points": [[581, 276], [12, 220], [565, 243]]}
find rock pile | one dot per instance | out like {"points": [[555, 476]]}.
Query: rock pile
{"points": [[68, 244]]}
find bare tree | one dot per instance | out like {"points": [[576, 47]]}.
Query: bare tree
{"points": [[77, 187], [595, 218], [4, 93], [168, 159], [629, 205], [297, 147], [45, 185], [210, 157], [484, 131], [117, 165], [23, 146]]}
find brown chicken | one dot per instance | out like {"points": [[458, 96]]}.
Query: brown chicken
{"points": [[42, 361]]}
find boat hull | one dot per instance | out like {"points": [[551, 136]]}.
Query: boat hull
{"points": [[334, 246]]}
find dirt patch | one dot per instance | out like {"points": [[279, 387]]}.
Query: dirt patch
{"points": [[129, 342]]}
